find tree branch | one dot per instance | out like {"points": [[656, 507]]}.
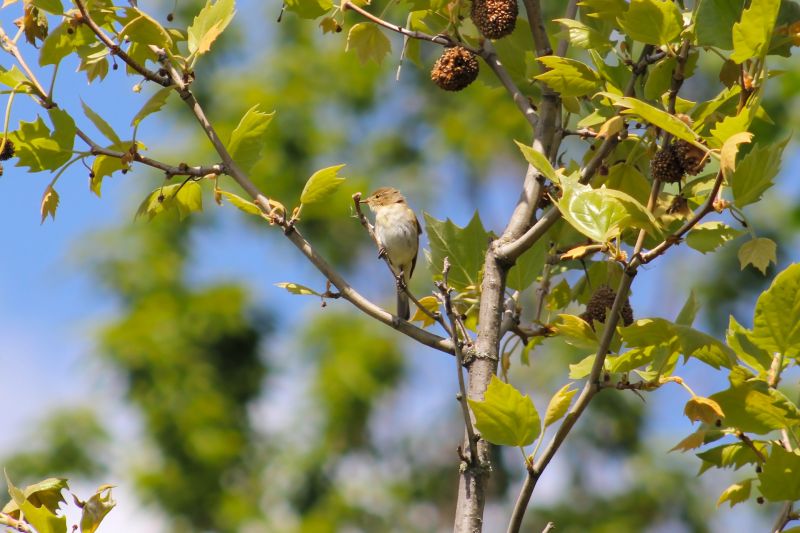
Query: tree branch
{"points": [[444, 289], [591, 387], [116, 50], [18, 525]]}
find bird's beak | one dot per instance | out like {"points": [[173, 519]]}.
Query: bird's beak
{"points": [[364, 201]]}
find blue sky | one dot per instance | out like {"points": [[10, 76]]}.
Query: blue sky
{"points": [[49, 306]]}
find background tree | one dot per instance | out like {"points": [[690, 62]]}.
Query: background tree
{"points": [[455, 121]]}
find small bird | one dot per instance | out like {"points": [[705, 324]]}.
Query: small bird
{"points": [[397, 230]]}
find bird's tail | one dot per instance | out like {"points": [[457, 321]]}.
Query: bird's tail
{"points": [[403, 310]]}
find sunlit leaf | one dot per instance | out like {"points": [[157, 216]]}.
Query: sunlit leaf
{"points": [[321, 184], [96, 508], [776, 324], [559, 404], [506, 417], [780, 475], [652, 21], [699, 409], [538, 161], [568, 77], [247, 140], [736, 493], [464, 247], [209, 24], [153, 105], [751, 35], [49, 203]]}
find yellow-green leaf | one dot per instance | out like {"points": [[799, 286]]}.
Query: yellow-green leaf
{"points": [[506, 417], [240, 203], [559, 404], [568, 76], [652, 21], [209, 24], [295, 288], [153, 104], [752, 34], [538, 161], [759, 252], [368, 41], [321, 184], [247, 140], [96, 508], [653, 115], [736, 493]]}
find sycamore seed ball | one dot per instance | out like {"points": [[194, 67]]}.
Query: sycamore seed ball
{"points": [[455, 69], [666, 166], [494, 18], [601, 301]]}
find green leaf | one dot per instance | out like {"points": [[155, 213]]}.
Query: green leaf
{"points": [[583, 36], [752, 34], [101, 124], [704, 347], [96, 508], [46, 493], [653, 115], [41, 518], [626, 178], [62, 41], [755, 173], [689, 310], [527, 267], [780, 475], [41, 149], [652, 21], [759, 252], [752, 408], [368, 41], [576, 332], [14, 77], [464, 247], [295, 288], [736, 493], [582, 368], [637, 357], [714, 21], [708, 236], [49, 203], [505, 417], [153, 104], [776, 324], [145, 30], [321, 184], [309, 9], [184, 198], [247, 140], [51, 6], [240, 203], [739, 339], [730, 455], [209, 24], [602, 214], [538, 161], [558, 405], [102, 166], [568, 76]]}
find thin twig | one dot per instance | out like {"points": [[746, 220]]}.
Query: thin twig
{"points": [[13, 523], [444, 288], [116, 50], [591, 387], [441, 39], [522, 102]]}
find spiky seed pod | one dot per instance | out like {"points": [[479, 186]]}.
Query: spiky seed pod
{"points": [[494, 18], [8, 151], [666, 165], [691, 157], [455, 69], [601, 301]]}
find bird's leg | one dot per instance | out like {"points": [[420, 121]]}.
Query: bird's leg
{"points": [[401, 280], [381, 252]]}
